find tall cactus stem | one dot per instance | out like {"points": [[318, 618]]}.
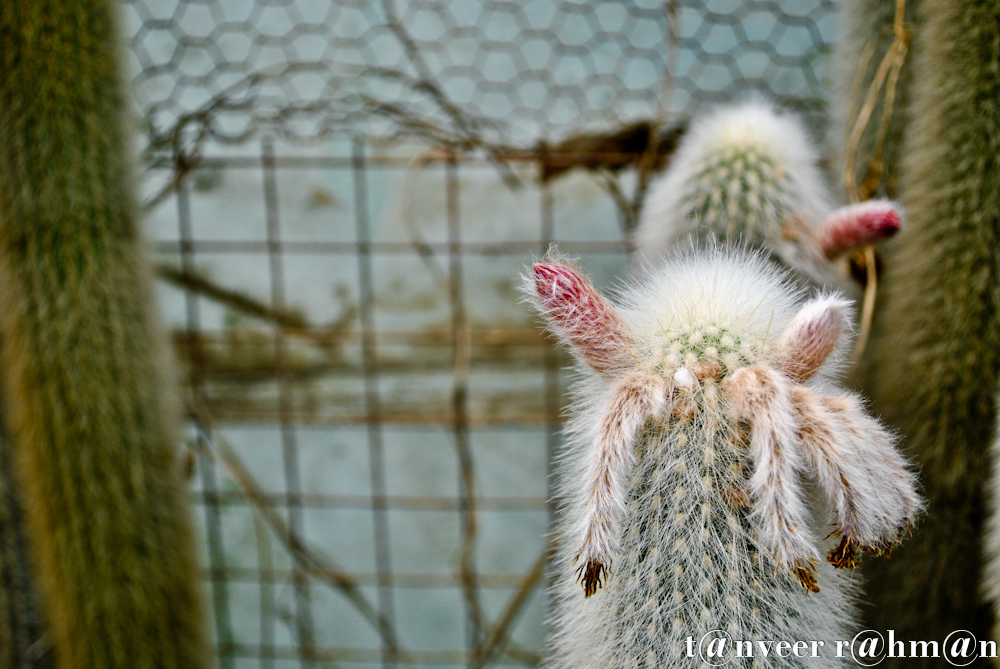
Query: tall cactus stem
{"points": [[92, 412], [934, 355]]}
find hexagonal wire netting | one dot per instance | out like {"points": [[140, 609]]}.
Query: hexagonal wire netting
{"points": [[341, 197]]}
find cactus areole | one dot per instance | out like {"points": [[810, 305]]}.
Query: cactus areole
{"points": [[703, 406]]}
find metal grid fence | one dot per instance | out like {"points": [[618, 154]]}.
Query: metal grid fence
{"points": [[341, 197]]}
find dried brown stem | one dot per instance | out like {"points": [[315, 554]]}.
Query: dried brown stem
{"points": [[867, 307], [629, 214], [424, 250], [313, 563], [238, 301], [886, 76], [467, 552], [612, 149], [266, 565], [649, 158], [497, 635]]}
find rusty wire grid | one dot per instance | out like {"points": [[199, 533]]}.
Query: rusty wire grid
{"points": [[340, 197]]}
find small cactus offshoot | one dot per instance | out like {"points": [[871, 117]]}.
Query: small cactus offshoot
{"points": [[705, 401], [749, 174]]}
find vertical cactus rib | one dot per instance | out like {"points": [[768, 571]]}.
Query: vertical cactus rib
{"points": [[933, 361], [91, 409]]}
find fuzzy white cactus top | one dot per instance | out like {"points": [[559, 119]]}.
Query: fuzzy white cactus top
{"points": [[705, 405], [749, 174]]}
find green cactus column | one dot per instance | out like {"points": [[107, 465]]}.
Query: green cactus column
{"points": [[92, 412], [21, 618], [934, 354]]}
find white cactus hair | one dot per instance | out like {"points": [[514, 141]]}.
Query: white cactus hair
{"points": [[681, 486], [749, 173]]}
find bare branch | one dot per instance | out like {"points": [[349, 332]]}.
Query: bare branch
{"points": [[310, 561]]}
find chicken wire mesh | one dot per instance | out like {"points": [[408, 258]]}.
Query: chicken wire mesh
{"points": [[341, 197]]}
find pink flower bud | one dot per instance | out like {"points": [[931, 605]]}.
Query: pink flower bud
{"points": [[857, 225], [582, 316]]}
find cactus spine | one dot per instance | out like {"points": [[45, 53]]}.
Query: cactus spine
{"points": [[935, 352], [92, 421], [749, 174], [704, 397]]}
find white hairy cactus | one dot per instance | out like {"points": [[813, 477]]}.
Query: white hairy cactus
{"points": [[705, 402], [748, 174]]}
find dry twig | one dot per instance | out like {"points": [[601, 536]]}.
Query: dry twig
{"points": [[310, 561], [236, 300], [885, 81], [494, 639], [649, 159]]}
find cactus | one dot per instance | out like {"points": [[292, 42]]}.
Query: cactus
{"points": [[21, 623], [704, 397], [92, 416], [935, 356], [748, 173]]}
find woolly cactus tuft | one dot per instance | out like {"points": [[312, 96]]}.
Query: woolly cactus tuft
{"points": [[704, 401], [748, 173]]}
